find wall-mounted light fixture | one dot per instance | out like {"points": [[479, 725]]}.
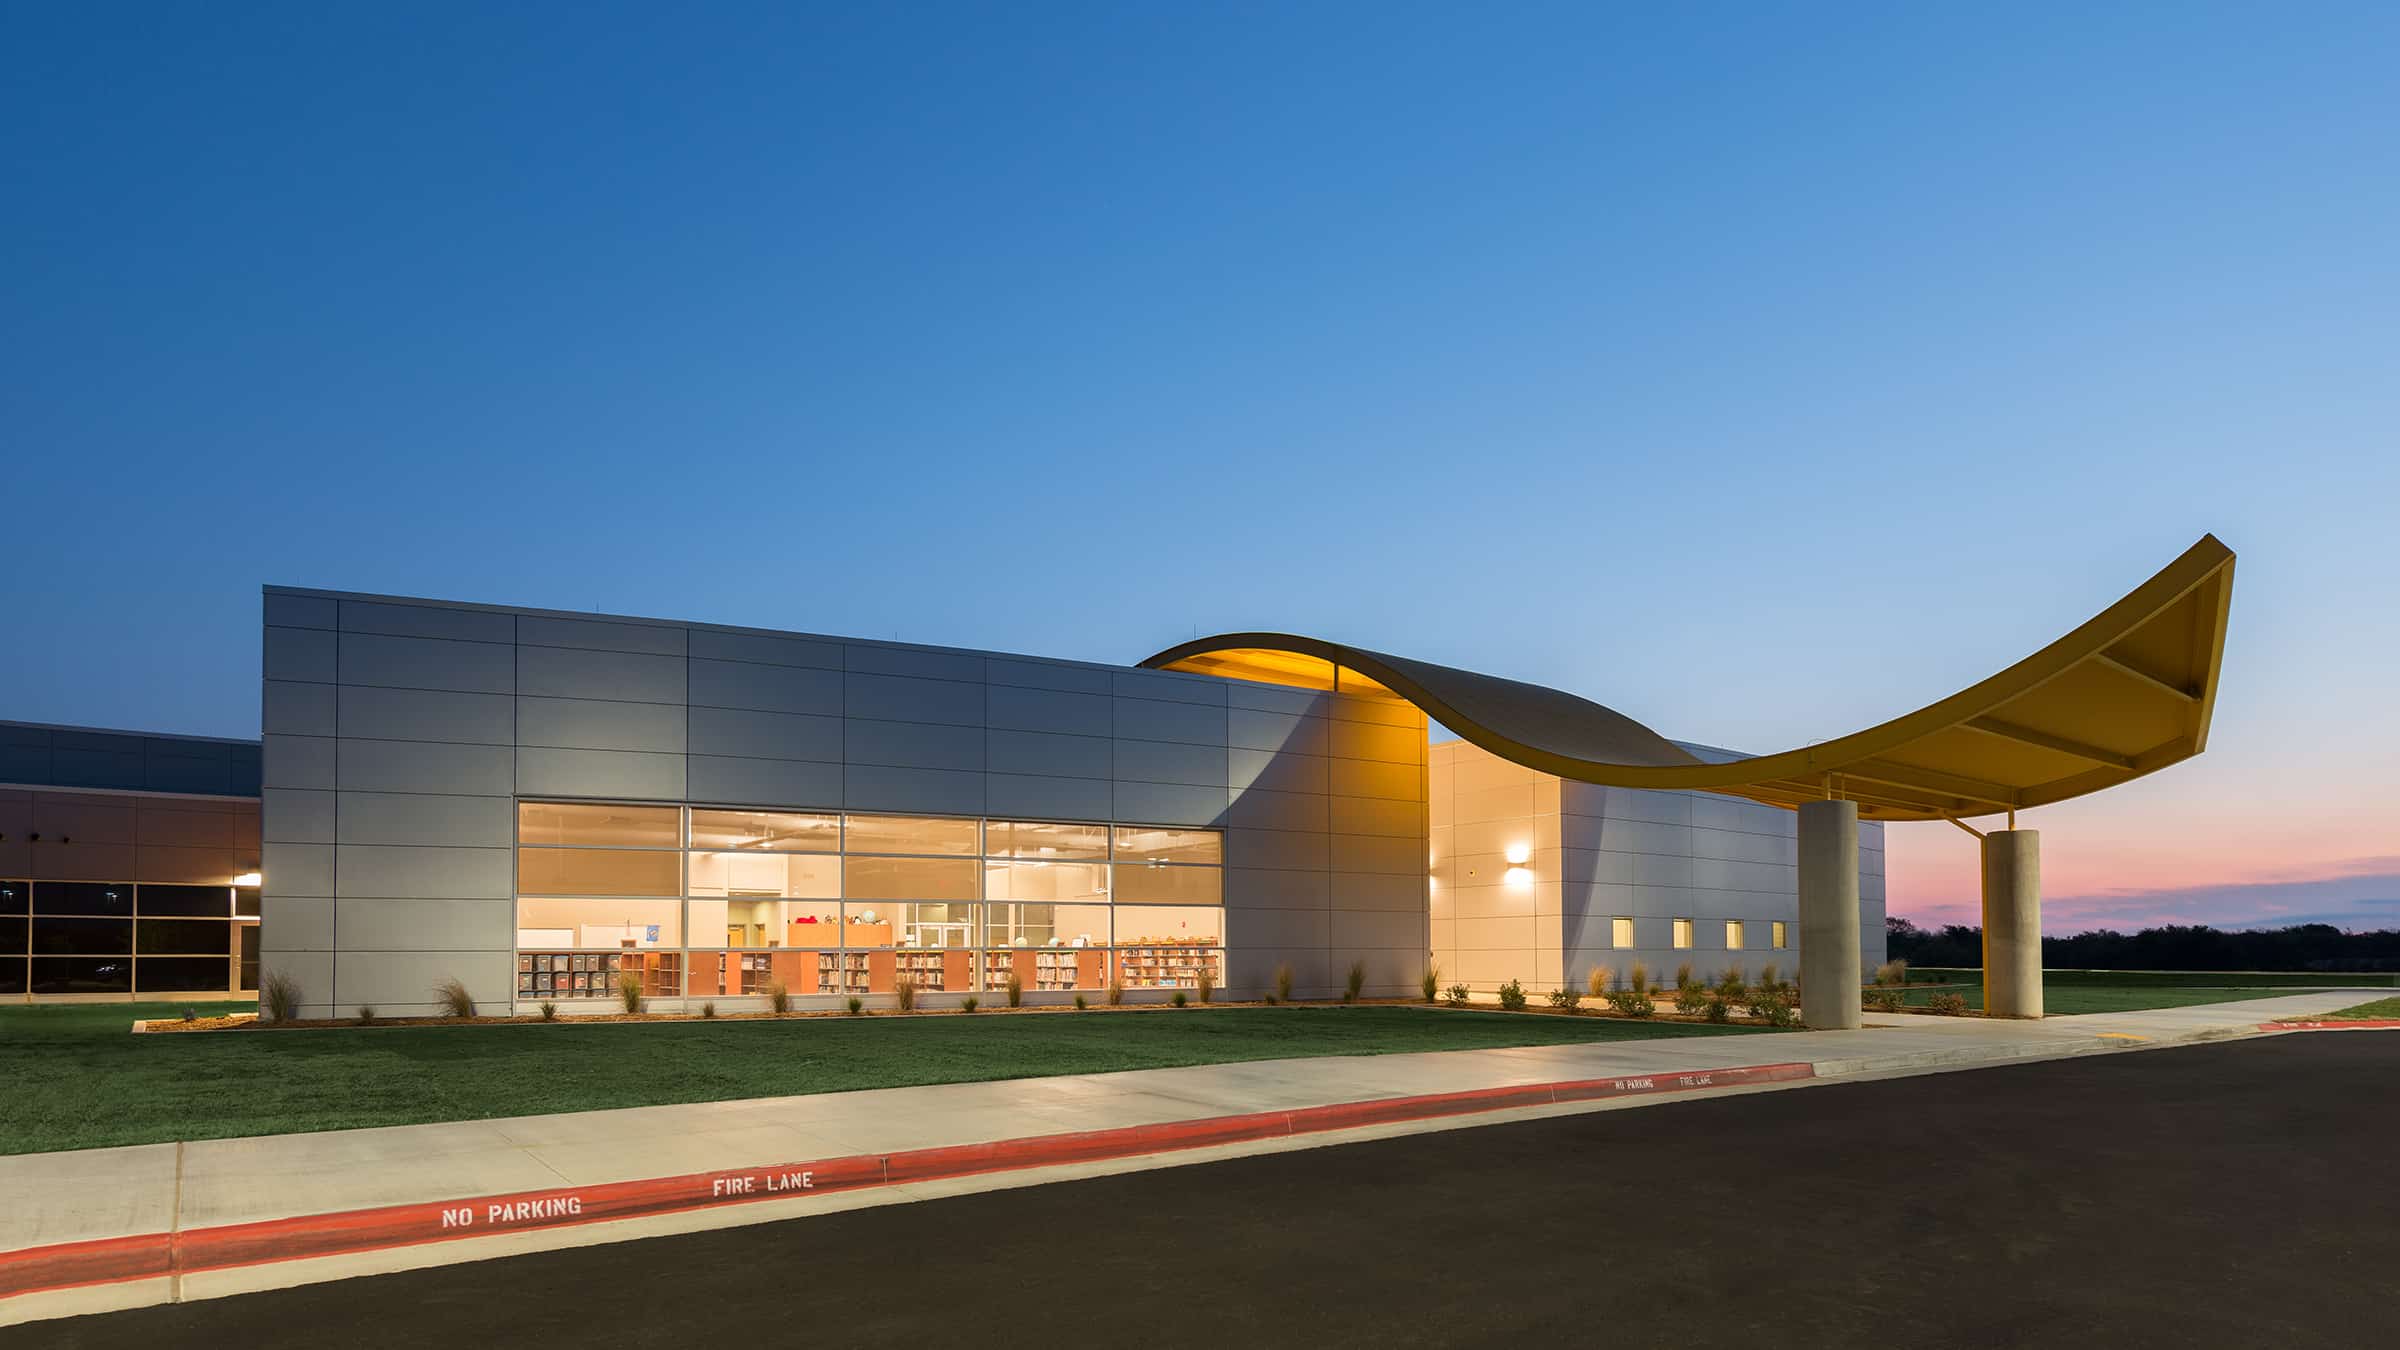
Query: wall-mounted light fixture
{"points": [[1518, 855], [1518, 877], [247, 879]]}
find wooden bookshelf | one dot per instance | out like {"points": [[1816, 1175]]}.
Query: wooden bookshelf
{"points": [[1001, 962], [1059, 968], [842, 972], [1170, 965], [928, 968]]}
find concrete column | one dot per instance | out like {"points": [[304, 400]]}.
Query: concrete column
{"points": [[1829, 976], [2012, 923]]}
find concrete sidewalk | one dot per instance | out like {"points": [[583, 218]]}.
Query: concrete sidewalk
{"points": [[98, 1195]]}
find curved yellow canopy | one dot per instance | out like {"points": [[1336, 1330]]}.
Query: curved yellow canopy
{"points": [[2127, 693]]}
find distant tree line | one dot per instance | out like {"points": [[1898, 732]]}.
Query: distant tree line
{"points": [[2306, 946]]}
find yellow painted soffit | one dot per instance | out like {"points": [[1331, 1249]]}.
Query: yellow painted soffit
{"points": [[2125, 694]]}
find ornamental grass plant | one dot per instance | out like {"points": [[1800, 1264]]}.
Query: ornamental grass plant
{"points": [[278, 996], [454, 999]]}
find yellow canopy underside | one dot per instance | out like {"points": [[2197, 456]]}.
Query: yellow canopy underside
{"points": [[2127, 693]]}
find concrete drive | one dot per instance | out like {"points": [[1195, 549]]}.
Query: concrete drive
{"points": [[106, 1194]]}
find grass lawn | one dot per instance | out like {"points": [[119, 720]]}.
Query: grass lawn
{"points": [[2062, 999], [76, 1077], [2367, 1012], [2178, 979]]}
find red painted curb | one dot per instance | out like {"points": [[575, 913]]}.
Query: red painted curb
{"points": [[72, 1265], [2337, 1024], [142, 1256]]}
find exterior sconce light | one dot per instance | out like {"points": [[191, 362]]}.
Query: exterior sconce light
{"points": [[247, 879]]}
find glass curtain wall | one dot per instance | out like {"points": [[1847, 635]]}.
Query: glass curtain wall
{"points": [[111, 937], [710, 902]]}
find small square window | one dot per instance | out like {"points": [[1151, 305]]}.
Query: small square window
{"points": [[1781, 935], [1733, 935], [1683, 934], [1620, 932]]}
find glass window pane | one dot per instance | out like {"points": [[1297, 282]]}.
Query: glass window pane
{"points": [[808, 925], [813, 875], [582, 975], [1037, 839], [946, 925], [1683, 932], [183, 937], [82, 975], [1733, 935], [214, 902], [81, 897], [1076, 954], [1779, 933], [1167, 947], [12, 974], [82, 937], [867, 925], [245, 903], [1620, 932], [166, 974], [599, 825], [1045, 947], [1022, 925], [605, 924], [909, 878], [1159, 884], [759, 922], [597, 871], [738, 974], [799, 972], [770, 831], [909, 834], [12, 937], [15, 897], [1147, 843], [1077, 882], [1169, 924], [935, 968]]}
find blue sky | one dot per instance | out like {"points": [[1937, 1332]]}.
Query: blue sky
{"points": [[1760, 371]]}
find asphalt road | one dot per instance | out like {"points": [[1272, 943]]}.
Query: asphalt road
{"points": [[2241, 1195]]}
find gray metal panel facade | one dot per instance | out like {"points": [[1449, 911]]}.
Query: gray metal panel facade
{"points": [[1592, 855], [1655, 857], [33, 754], [400, 732]]}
